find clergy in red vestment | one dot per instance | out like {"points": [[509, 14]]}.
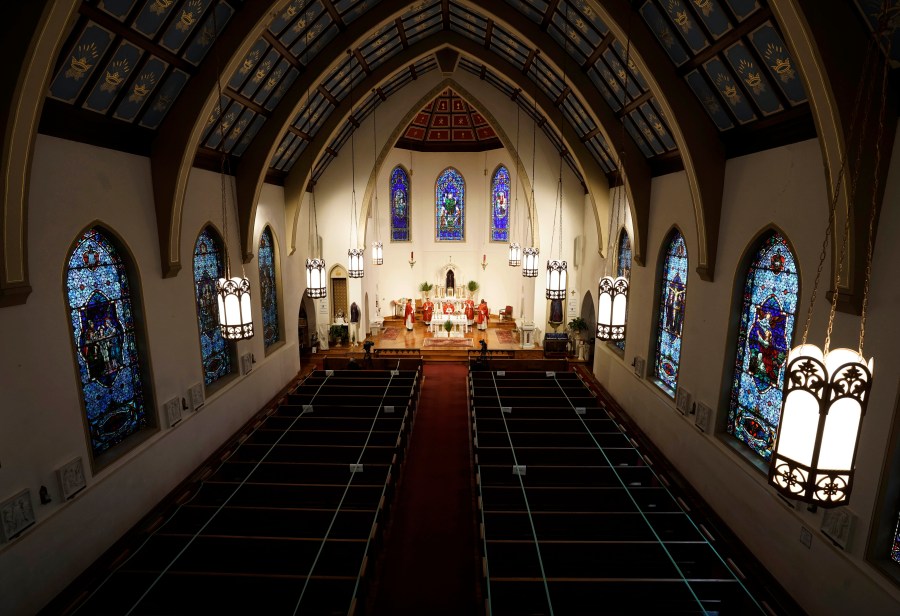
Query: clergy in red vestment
{"points": [[448, 308], [427, 310], [470, 311], [409, 314], [483, 315]]}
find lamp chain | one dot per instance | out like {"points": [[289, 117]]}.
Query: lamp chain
{"points": [[223, 162], [533, 157], [374, 201], [352, 121], [512, 215], [884, 22], [832, 214], [851, 195]]}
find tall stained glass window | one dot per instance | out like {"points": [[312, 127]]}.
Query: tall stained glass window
{"points": [[450, 206], [768, 312], [399, 205], [623, 268], [209, 266], [895, 548], [500, 205], [671, 313], [267, 288], [101, 313]]}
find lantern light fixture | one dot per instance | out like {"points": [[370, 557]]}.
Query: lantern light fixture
{"points": [[612, 299], [515, 250], [826, 392], [377, 245], [316, 285], [232, 292], [557, 269], [355, 256]]}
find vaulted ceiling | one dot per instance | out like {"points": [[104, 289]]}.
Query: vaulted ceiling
{"points": [[278, 86]]}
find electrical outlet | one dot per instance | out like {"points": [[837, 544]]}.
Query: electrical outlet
{"points": [[805, 536], [197, 396], [173, 411]]}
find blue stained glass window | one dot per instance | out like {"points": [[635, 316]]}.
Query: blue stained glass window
{"points": [[268, 288], [399, 205], [450, 206], [671, 313], [623, 268], [500, 205], [98, 295], [895, 548], [768, 312], [209, 266]]}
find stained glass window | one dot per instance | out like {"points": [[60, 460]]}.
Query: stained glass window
{"points": [[766, 329], [209, 266], [895, 548], [399, 205], [500, 205], [450, 206], [671, 313], [101, 314], [268, 289], [623, 268]]}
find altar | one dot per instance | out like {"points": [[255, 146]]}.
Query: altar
{"points": [[459, 322]]}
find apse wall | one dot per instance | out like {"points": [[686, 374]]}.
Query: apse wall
{"points": [[500, 285], [785, 186], [41, 428]]}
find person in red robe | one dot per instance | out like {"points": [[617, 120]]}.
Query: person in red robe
{"points": [[483, 315], [427, 310], [470, 311], [409, 315], [448, 308]]}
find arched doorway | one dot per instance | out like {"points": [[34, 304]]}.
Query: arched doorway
{"points": [[306, 324], [589, 314]]}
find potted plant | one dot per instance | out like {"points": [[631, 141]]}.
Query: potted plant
{"points": [[577, 326], [335, 335], [472, 287], [448, 327], [425, 288]]}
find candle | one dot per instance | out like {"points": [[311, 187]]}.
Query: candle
{"points": [[410, 255], [483, 258]]}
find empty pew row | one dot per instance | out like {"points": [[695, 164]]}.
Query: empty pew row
{"points": [[573, 518], [287, 521]]}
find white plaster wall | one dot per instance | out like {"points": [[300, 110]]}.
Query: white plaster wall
{"points": [[786, 187], [395, 279], [40, 422]]}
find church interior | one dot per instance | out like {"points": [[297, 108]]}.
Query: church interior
{"points": [[675, 218]]}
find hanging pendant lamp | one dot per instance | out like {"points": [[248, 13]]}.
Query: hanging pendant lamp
{"points": [[557, 269], [826, 392], [232, 292], [377, 246], [355, 256], [530, 254]]}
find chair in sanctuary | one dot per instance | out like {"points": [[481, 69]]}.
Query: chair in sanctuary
{"points": [[506, 314]]}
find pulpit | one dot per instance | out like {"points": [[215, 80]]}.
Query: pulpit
{"points": [[526, 333]]}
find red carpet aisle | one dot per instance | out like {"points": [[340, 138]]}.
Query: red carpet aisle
{"points": [[429, 564]]}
